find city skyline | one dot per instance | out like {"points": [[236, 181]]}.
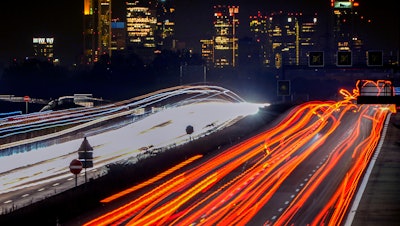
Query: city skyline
{"points": [[63, 21]]}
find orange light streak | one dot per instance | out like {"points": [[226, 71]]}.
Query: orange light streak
{"points": [[152, 180], [232, 187]]}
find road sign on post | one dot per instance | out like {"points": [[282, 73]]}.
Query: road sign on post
{"points": [[75, 167], [26, 99], [85, 155]]}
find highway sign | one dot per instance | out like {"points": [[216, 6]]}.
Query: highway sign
{"points": [[75, 166], [374, 58], [85, 154], [316, 59], [283, 87], [344, 58]]}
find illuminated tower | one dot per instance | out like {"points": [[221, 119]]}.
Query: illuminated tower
{"points": [[259, 29], [118, 39], [96, 30], [207, 51], [285, 38], [43, 48], [225, 37], [346, 20], [309, 39], [141, 23], [348, 27], [165, 30]]}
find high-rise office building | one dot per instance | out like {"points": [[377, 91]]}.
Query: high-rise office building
{"points": [[343, 27], [225, 36], [207, 52], [259, 29], [165, 29], [285, 38], [96, 30], [118, 38], [309, 37], [347, 23], [150, 27], [43, 48], [141, 22]]}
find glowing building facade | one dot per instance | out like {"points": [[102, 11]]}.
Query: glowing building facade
{"points": [[207, 52], [96, 30], [165, 29], [141, 22], [285, 38], [259, 29], [225, 36], [347, 28], [150, 27], [118, 38], [43, 48]]}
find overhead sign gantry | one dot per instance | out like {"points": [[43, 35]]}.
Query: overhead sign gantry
{"points": [[377, 92]]}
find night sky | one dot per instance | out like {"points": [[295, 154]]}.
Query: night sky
{"points": [[63, 20]]}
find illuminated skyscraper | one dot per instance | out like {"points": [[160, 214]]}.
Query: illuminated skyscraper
{"points": [[285, 38], [207, 51], [346, 21], [259, 29], [165, 30], [43, 48], [225, 36], [96, 30], [141, 22], [118, 39], [150, 27]]}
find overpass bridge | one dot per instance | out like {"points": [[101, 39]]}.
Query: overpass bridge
{"points": [[377, 92]]}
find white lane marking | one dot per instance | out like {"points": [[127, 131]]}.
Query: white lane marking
{"points": [[357, 199]]}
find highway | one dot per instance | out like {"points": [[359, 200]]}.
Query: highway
{"points": [[32, 175], [28, 127], [304, 170]]}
